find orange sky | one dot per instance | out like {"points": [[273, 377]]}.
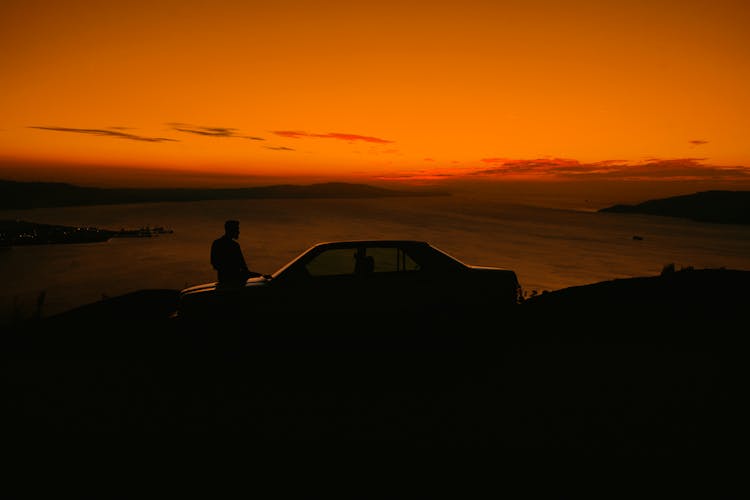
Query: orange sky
{"points": [[376, 90]]}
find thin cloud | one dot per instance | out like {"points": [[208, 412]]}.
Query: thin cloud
{"points": [[355, 137], [278, 148], [562, 169], [296, 134], [540, 164], [107, 133], [291, 134], [415, 176], [212, 131], [698, 142], [652, 169]]}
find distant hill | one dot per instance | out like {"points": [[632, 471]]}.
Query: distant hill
{"points": [[54, 194], [725, 207]]}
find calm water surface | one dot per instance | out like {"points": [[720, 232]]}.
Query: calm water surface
{"points": [[548, 248]]}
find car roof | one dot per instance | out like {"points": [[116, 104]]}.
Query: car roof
{"points": [[355, 243]]}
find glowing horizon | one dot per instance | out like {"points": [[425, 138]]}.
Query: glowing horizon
{"points": [[533, 90]]}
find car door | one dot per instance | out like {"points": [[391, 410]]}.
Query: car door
{"points": [[396, 283], [331, 287]]}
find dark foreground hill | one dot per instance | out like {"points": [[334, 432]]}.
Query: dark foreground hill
{"points": [[726, 207], [638, 366], [15, 194]]}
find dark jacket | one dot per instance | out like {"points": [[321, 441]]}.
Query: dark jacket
{"points": [[227, 259]]}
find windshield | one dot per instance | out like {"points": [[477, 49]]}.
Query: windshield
{"points": [[290, 263]]}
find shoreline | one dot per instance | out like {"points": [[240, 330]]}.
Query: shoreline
{"points": [[23, 233]]}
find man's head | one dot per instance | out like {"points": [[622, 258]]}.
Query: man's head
{"points": [[232, 228]]}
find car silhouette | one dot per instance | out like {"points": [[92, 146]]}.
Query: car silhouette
{"points": [[374, 277]]}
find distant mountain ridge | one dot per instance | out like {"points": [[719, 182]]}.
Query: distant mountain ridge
{"points": [[723, 207], [15, 194]]}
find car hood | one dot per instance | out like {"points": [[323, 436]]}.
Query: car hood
{"points": [[210, 287], [486, 268]]}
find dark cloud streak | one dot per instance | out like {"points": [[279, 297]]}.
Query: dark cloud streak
{"points": [[107, 133], [296, 134], [212, 131]]}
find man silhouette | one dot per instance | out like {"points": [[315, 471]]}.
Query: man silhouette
{"points": [[227, 258]]}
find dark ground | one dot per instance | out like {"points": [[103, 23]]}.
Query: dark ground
{"points": [[644, 365]]}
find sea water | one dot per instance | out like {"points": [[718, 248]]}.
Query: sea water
{"points": [[548, 248]]}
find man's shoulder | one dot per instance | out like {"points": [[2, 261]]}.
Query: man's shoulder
{"points": [[223, 240]]}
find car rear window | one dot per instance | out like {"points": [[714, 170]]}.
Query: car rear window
{"points": [[391, 260]]}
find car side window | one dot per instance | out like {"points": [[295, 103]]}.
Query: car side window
{"points": [[335, 262], [391, 260]]}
